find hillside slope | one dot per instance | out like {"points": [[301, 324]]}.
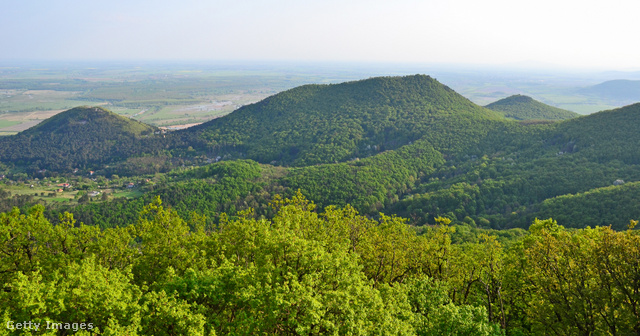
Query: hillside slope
{"points": [[508, 188], [604, 136], [521, 107]]}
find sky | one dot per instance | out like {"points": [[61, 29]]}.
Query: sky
{"points": [[556, 33]]}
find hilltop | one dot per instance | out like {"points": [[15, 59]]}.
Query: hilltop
{"points": [[83, 137], [334, 123], [503, 179], [521, 107]]}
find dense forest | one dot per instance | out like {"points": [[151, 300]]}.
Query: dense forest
{"points": [[521, 107], [302, 271], [315, 124], [84, 138]]}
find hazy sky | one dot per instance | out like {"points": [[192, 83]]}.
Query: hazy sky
{"points": [[584, 33]]}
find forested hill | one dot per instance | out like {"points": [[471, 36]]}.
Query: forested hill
{"points": [[83, 137], [334, 123], [90, 119], [521, 107]]}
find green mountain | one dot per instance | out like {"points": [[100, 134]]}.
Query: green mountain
{"points": [[521, 107], [83, 137], [334, 123], [95, 120]]}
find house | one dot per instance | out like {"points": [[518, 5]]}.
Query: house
{"points": [[59, 190], [130, 185], [64, 185], [94, 193]]}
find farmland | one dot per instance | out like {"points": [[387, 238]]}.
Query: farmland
{"points": [[157, 95]]}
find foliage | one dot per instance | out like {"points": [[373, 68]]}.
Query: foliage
{"points": [[576, 283], [221, 187], [370, 183], [612, 205], [301, 272], [521, 107], [333, 123], [83, 138]]}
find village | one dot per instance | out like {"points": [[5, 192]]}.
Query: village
{"points": [[81, 188]]}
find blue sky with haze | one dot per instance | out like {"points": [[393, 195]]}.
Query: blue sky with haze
{"points": [[584, 34]]}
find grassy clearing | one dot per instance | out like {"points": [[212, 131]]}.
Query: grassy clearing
{"points": [[48, 192], [128, 194]]}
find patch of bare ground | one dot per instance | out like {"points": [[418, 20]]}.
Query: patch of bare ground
{"points": [[177, 127]]}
